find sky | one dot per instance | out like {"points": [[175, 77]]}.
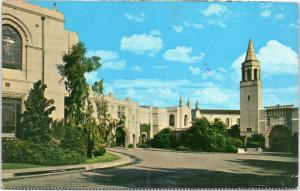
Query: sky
{"points": [[155, 52]]}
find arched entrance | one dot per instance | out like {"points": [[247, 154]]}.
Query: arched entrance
{"points": [[120, 137], [280, 139], [144, 137]]}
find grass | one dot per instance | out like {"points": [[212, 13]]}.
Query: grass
{"points": [[7, 166], [107, 157]]}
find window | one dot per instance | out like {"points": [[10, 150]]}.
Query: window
{"points": [[185, 120], [238, 121], [248, 97], [11, 114], [248, 74], [269, 121], [249, 129], [255, 74], [121, 111], [243, 75], [227, 122], [171, 120], [11, 48]]}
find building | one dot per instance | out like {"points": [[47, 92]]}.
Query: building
{"points": [[34, 42]]}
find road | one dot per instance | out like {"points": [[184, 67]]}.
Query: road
{"points": [[167, 169]]}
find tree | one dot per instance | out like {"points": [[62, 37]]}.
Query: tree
{"points": [[36, 117], [76, 65], [163, 139], [78, 108], [234, 131], [201, 135]]}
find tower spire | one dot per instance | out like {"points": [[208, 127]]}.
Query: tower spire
{"points": [[250, 52]]}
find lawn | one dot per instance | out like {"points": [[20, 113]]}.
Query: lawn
{"points": [[107, 157]]}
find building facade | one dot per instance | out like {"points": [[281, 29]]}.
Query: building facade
{"points": [[34, 41]]}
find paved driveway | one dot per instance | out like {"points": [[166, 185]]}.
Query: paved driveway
{"points": [[165, 169]]}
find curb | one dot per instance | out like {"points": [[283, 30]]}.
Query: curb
{"points": [[35, 172]]}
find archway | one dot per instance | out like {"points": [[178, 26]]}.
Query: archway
{"points": [[171, 120], [280, 139], [120, 137], [186, 120], [144, 137]]}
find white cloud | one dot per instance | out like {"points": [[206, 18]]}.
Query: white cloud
{"points": [[279, 16], [186, 23], [293, 25], [161, 93], [273, 96], [182, 54], [266, 10], [137, 18], [91, 77], [266, 13], [137, 68], [275, 59], [109, 59], [177, 28], [214, 75], [214, 9], [198, 26], [217, 22], [195, 70], [155, 32], [142, 44]]}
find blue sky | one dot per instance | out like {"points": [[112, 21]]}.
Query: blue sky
{"points": [[155, 52]]}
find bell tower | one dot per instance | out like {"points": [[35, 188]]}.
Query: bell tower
{"points": [[250, 93]]}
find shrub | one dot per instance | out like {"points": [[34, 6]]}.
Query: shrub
{"points": [[74, 140], [256, 140], [254, 145], [163, 139], [182, 148], [142, 145], [230, 149], [114, 144], [99, 151], [18, 151], [235, 142], [130, 146]]}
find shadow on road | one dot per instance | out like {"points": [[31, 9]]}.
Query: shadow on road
{"points": [[288, 168], [195, 178]]}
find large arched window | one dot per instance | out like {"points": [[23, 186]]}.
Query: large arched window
{"points": [[185, 120], [255, 74], [11, 48], [171, 120], [238, 121], [227, 122], [248, 74]]}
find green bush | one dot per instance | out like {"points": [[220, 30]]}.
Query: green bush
{"points": [[235, 142], [130, 146], [254, 145], [142, 145], [182, 148], [163, 139], [74, 140], [18, 151], [230, 149], [114, 144], [99, 151]]}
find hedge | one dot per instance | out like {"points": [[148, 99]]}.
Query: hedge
{"points": [[20, 151]]}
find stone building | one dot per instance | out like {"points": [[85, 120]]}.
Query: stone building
{"points": [[33, 43]]}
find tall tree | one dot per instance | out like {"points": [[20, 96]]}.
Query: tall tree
{"points": [[36, 117], [78, 108], [76, 65]]}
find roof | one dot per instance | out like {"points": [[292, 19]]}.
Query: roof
{"points": [[218, 111], [250, 52]]}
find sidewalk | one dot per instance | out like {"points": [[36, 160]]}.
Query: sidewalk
{"points": [[52, 170]]}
